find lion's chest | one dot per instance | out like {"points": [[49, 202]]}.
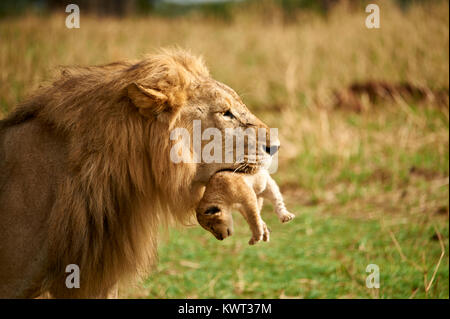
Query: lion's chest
{"points": [[258, 182]]}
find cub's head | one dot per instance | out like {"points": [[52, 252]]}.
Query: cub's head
{"points": [[216, 219], [207, 124]]}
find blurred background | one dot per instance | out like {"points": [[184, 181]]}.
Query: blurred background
{"points": [[363, 117]]}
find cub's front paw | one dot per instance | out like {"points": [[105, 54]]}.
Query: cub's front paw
{"points": [[286, 217], [255, 239], [263, 233], [266, 233], [257, 235]]}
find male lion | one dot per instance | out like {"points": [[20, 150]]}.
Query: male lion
{"points": [[86, 176]]}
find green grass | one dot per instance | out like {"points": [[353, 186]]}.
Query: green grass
{"points": [[318, 255]]}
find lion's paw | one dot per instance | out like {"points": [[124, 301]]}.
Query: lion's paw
{"points": [[266, 233], [257, 235], [286, 217], [255, 239], [262, 234]]}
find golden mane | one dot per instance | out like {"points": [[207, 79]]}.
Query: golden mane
{"points": [[122, 185]]}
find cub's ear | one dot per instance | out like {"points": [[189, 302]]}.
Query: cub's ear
{"points": [[212, 210], [150, 102]]}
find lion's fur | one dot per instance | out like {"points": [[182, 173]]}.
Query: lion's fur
{"points": [[117, 185], [101, 219]]}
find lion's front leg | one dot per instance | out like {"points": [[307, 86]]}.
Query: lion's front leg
{"points": [[251, 212]]}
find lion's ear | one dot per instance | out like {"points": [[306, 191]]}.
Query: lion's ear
{"points": [[149, 101]]}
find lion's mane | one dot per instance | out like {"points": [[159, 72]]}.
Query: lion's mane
{"points": [[121, 185]]}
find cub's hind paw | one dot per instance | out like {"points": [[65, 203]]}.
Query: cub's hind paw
{"points": [[286, 217]]}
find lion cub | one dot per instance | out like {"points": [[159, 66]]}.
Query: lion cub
{"points": [[227, 190]]}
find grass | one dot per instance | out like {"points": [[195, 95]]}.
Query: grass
{"points": [[367, 188], [317, 256]]}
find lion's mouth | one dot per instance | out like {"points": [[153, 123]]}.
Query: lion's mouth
{"points": [[245, 168]]}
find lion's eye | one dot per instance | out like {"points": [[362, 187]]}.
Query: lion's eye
{"points": [[228, 114]]}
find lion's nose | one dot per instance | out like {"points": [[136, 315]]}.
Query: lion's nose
{"points": [[271, 150]]}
